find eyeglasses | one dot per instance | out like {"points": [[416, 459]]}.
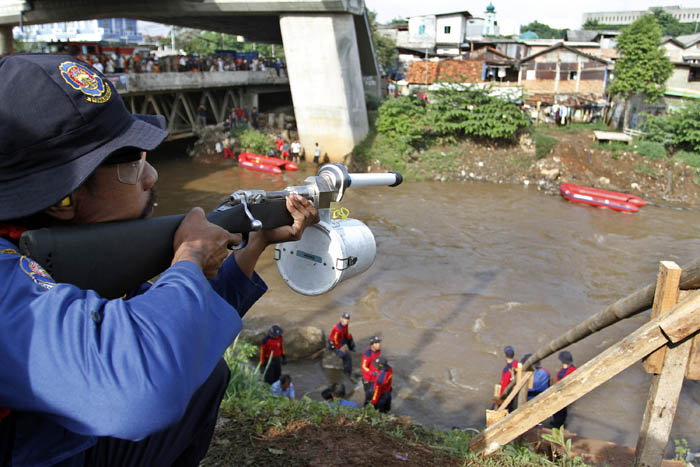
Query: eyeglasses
{"points": [[130, 173]]}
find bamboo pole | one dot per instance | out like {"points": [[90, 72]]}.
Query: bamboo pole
{"points": [[634, 303]]}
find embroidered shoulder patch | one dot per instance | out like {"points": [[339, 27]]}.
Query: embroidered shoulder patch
{"points": [[36, 272], [82, 79]]}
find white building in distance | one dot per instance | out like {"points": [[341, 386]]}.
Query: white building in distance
{"points": [[684, 15], [121, 30]]}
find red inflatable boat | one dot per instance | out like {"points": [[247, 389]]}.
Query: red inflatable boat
{"points": [[602, 198], [273, 165]]}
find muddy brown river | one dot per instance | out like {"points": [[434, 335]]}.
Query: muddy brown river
{"points": [[463, 269]]}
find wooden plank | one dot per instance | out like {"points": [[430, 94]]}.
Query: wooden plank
{"points": [[515, 390], [612, 136], [665, 297], [693, 370], [661, 406], [493, 416], [677, 326], [609, 363]]}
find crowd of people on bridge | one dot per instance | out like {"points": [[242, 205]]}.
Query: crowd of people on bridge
{"points": [[143, 62]]}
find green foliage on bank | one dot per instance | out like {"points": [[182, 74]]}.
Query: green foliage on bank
{"points": [[457, 111], [253, 141], [454, 112], [678, 130]]}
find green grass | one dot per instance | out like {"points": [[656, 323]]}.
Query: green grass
{"points": [[543, 144], [612, 146], [690, 158], [651, 150], [578, 127]]}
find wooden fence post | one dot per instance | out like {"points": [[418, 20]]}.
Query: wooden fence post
{"points": [[667, 384], [665, 297]]}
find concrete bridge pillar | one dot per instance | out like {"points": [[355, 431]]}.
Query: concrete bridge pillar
{"points": [[6, 44], [325, 79]]}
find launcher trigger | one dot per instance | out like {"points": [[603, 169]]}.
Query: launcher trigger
{"points": [[244, 241]]}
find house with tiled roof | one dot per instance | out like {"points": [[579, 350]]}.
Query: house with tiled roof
{"points": [[564, 73]]}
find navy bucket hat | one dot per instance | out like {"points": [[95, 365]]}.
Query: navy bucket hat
{"points": [[59, 120]]}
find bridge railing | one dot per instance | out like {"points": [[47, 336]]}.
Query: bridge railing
{"points": [[128, 83]]}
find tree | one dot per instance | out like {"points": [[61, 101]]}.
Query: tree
{"points": [[543, 31], [195, 41], [385, 47], [642, 68], [670, 26]]}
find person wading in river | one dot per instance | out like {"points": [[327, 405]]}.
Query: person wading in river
{"points": [[272, 350], [567, 367], [369, 371], [339, 339], [86, 380], [507, 375]]}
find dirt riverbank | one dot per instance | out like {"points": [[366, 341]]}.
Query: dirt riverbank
{"points": [[576, 158]]}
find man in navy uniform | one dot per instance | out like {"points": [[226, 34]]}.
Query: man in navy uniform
{"points": [[86, 380]]}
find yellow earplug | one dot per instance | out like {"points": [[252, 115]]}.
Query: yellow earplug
{"points": [[65, 202]]}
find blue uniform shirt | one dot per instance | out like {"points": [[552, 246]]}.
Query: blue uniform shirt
{"points": [[76, 366], [277, 391]]}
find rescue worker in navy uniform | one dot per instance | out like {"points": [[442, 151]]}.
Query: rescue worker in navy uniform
{"points": [[339, 338], [381, 390], [567, 367], [540, 378], [133, 381], [369, 371], [272, 349]]}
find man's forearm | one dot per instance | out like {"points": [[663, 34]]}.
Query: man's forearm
{"points": [[248, 257]]}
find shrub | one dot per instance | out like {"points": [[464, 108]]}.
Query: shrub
{"points": [[459, 110], [256, 141], [686, 123], [403, 119], [652, 150], [543, 144], [679, 128], [659, 129]]}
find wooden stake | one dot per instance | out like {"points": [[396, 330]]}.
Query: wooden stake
{"points": [[661, 406], [646, 339], [665, 297], [668, 366]]}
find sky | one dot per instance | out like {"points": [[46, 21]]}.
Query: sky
{"points": [[510, 14]]}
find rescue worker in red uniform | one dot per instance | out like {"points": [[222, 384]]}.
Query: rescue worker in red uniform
{"points": [[381, 391], [507, 376], [369, 371], [339, 338], [567, 367], [272, 349]]}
